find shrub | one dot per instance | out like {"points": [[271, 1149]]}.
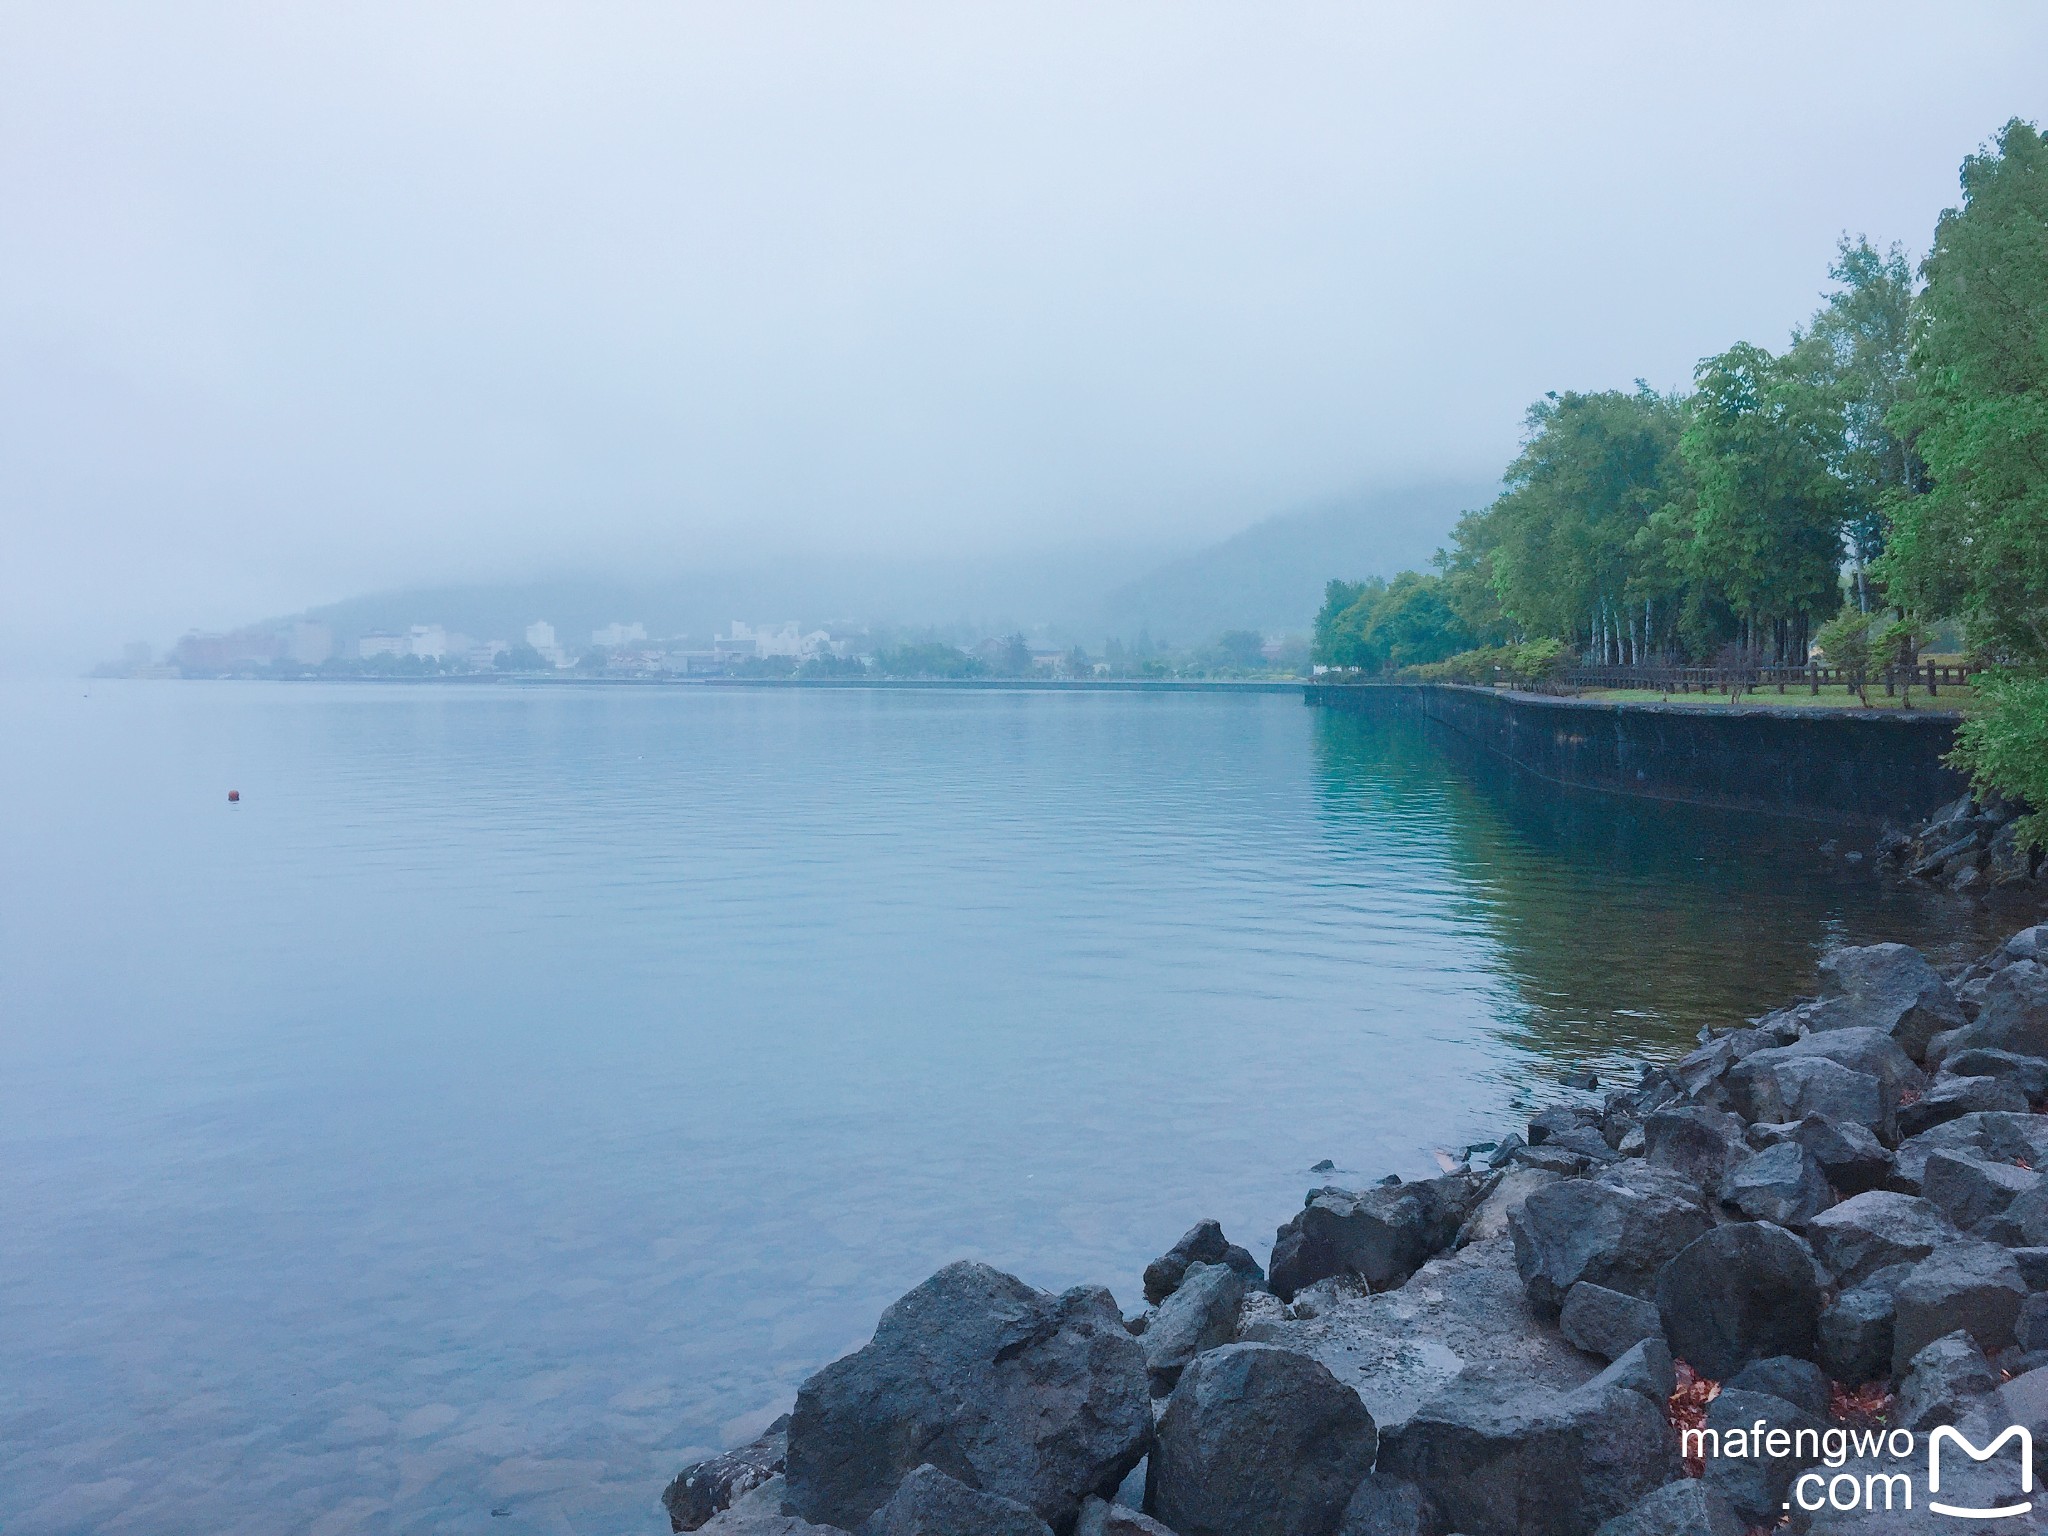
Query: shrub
{"points": [[2003, 746]]}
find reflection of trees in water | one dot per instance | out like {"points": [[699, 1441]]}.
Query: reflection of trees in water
{"points": [[1624, 925]]}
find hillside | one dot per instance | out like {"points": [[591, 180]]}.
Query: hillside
{"points": [[1271, 576]]}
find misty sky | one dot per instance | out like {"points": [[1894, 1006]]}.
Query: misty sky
{"points": [[301, 300]]}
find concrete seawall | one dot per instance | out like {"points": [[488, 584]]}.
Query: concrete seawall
{"points": [[1854, 766]]}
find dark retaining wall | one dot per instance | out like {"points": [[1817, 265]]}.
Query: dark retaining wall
{"points": [[1862, 767]]}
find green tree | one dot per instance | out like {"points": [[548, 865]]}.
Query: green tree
{"points": [[1976, 545], [1414, 622], [1339, 637], [1847, 643], [931, 659], [1565, 548], [1375, 624], [1767, 509], [1861, 344], [2004, 746], [1244, 649]]}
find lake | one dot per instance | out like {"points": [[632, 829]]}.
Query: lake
{"points": [[522, 1089]]}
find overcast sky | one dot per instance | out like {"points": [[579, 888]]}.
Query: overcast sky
{"points": [[298, 300]]}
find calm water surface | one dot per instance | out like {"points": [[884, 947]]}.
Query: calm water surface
{"points": [[523, 1089]]}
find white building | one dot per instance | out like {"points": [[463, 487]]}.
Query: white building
{"points": [[541, 636], [612, 636], [381, 643], [427, 640], [786, 639]]}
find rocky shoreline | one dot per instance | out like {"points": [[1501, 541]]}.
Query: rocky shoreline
{"points": [[1968, 847], [1820, 1230]]}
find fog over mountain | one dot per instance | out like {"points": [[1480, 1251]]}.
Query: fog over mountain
{"points": [[304, 302], [1268, 578], [1060, 591], [1271, 576]]}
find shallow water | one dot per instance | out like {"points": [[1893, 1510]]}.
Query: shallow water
{"points": [[522, 1089]]}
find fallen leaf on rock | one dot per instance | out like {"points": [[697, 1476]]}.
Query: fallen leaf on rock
{"points": [[1687, 1408], [1864, 1408]]}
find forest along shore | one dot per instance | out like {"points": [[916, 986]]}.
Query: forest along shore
{"points": [[1829, 1218]]}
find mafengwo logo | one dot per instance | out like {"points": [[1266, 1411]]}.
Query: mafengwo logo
{"points": [[1835, 1487], [1949, 1435]]}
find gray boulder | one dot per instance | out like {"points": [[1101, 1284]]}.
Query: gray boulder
{"points": [[2027, 944], [1889, 987], [1966, 1284], [1942, 1383], [1099, 1517], [1850, 1156], [1560, 1119], [704, 1488], [2008, 861], [1259, 1441], [1778, 1086], [2001, 1138], [1799, 1382], [929, 1503], [1783, 1184], [1758, 1486], [2024, 1401], [1586, 1141], [1741, 1293], [1856, 1328], [1701, 1144], [2024, 1222], [1201, 1314], [2013, 1016], [1950, 1098], [1381, 1235], [1035, 1398], [1497, 1455], [1203, 1243], [1607, 1323], [1388, 1506], [2029, 1074], [1647, 1368], [1616, 1230], [2033, 1263], [1864, 1050], [1699, 1074], [758, 1512], [2031, 1329], [1688, 1507], [1970, 1189], [1870, 1231]]}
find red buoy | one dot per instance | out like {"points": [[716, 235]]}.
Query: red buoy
{"points": [[234, 795]]}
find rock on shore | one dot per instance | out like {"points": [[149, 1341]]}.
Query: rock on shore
{"points": [[1840, 1195]]}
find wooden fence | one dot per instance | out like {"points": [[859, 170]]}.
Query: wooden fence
{"points": [[1931, 676]]}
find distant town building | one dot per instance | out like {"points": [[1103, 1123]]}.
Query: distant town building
{"points": [[382, 643], [541, 636], [310, 643], [427, 640], [238, 651], [777, 640], [612, 636]]}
